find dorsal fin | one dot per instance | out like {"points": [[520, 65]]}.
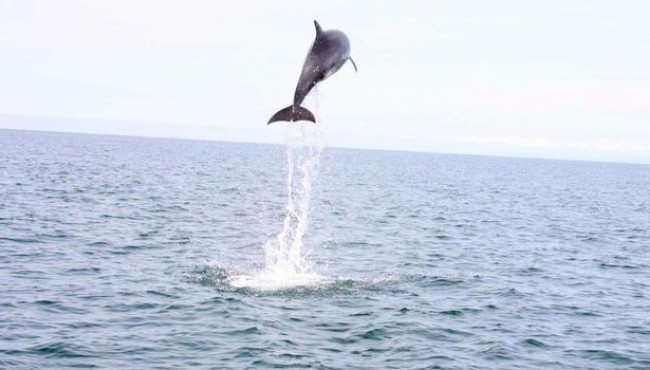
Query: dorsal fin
{"points": [[319, 30]]}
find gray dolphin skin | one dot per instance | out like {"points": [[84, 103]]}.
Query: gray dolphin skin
{"points": [[331, 49]]}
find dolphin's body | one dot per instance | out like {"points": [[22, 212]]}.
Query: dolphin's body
{"points": [[331, 49]]}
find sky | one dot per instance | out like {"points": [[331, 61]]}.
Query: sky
{"points": [[549, 79]]}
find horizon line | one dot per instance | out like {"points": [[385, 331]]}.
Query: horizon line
{"points": [[55, 131]]}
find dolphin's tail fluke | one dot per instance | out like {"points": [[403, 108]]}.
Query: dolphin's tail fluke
{"points": [[293, 113]]}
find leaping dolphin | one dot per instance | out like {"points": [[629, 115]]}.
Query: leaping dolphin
{"points": [[331, 49]]}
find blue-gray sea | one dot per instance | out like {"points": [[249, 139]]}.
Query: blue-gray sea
{"points": [[142, 253]]}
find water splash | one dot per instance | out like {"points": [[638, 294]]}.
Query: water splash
{"points": [[287, 263]]}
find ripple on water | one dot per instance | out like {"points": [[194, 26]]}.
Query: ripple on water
{"points": [[534, 343], [58, 307], [605, 356], [375, 334], [60, 350], [83, 271]]}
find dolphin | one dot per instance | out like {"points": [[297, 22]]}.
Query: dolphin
{"points": [[331, 49]]}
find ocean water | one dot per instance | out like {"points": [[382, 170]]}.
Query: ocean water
{"points": [[140, 253]]}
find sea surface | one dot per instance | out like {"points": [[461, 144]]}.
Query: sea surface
{"points": [[141, 253]]}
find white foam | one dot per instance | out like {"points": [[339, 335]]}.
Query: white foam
{"points": [[266, 281]]}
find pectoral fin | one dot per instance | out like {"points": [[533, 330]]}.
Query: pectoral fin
{"points": [[353, 63]]}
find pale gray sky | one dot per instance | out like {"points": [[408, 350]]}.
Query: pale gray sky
{"points": [[558, 79]]}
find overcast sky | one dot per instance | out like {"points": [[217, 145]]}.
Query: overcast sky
{"points": [[556, 79]]}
